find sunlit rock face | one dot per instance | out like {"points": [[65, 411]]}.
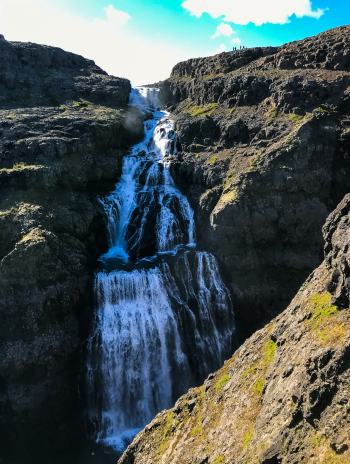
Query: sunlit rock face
{"points": [[264, 137]]}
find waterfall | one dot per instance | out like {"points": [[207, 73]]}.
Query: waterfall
{"points": [[163, 316]]}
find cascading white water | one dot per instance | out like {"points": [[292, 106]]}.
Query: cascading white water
{"points": [[139, 336], [162, 326], [146, 182]]}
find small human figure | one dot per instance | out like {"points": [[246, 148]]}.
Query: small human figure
{"points": [[240, 47]]}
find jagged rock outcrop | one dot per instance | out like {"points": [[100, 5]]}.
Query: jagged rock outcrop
{"points": [[284, 395], [53, 162], [264, 159], [225, 62], [336, 231], [39, 75]]}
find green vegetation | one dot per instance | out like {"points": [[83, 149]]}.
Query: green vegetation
{"points": [[269, 351], [332, 336], [196, 155], [259, 385], [254, 162], [228, 180], [212, 160], [63, 107], [326, 109], [163, 447], [249, 371], [232, 110], [219, 459], [321, 308], [5, 213], [273, 113], [247, 438], [229, 197], [295, 118], [221, 383], [207, 76], [196, 432], [316, 440], [331, 457], [81, 103], [163, 440], [168, 424], [19, 166], [201, 111]]}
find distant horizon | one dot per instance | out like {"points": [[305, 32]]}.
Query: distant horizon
{"points": [[142, 43]]}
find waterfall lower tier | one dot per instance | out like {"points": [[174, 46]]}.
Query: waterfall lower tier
{"points": [[164, 317], [158, 332]]}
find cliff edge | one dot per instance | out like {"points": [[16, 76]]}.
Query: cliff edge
{"points": [[64, 129]]}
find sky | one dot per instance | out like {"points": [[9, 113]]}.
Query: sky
{"points": [[143, 39]]}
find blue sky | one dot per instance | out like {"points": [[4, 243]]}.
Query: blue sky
{"points": [[143, 39]]}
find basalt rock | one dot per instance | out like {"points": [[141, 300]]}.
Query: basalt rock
{"points": [[264, 159], [53, 162], [39, 75], [283, 398]]}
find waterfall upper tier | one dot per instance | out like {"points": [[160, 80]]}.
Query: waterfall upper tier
{"points": [[146, 213]]}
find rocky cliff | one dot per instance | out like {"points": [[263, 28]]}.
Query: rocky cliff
{"points": [[64, 129], [264, 158], [264, 148], [284, 395]]}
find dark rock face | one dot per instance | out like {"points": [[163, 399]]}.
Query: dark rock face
{"points": [[226, 62], [265, 159], [283, 396], [37, 75], [336, 233], [53, 162]]}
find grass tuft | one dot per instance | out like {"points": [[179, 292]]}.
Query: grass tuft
{"points": [[219, 459], [221, 383], [259, 385], [269, 351], [295, 118], [201, 111], [248, 436], [81, 104]]}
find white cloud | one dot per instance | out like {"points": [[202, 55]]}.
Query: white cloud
{"points": [[221, 49], [255, 11], [116, 17], [236, 40], [105, 40], [223, 29]]}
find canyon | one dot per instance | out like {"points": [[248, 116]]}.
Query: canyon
{"points": [[234, 182]]}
